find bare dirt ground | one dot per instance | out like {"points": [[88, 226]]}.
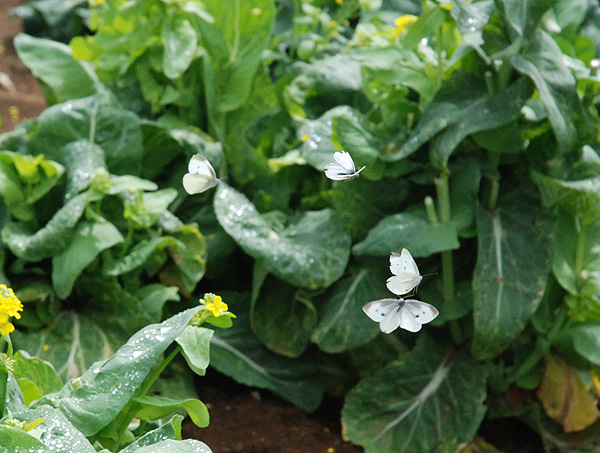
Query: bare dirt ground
{"points": [[20, 95], [242, 419]]}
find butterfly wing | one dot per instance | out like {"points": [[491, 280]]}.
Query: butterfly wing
{"points": [[343, 168], [378, 309], [421, 312], [201, 176], [406, 273], [200, 165]]}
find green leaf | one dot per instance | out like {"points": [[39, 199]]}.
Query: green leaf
{"points": [[431, 399], [180, 41], [523, 17], [454, 116], [283, 317], [103, 390], [576, 257], [57, 430], [89, 240], [583, 339], [175, 446], [311, 253], [510, 273], [39, 373], [169, 430], [342, 323], [235, 43], [236, 352], [52, 63], [24, 180], [71, 343], [195, 346], [155, 407], [542, 60], [140, 253], [395, 66], [154, 296], [83, 160], [408, 230], [15, 440], [100, 119], [49, 240]]}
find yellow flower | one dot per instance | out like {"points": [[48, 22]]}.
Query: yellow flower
{"points": [[10, 306], [304, 137], [215, 304], [403, 22], [339, 2]]}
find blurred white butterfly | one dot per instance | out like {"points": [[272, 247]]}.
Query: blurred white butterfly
{"points": [[343, 168], [406, 314], [406, 273], [201, 176]]}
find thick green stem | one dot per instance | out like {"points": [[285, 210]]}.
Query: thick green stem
{"points": [[542, 346], [443, 195]]}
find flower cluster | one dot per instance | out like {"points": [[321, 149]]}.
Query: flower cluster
{"points": [[215, 304], [10, 306]]}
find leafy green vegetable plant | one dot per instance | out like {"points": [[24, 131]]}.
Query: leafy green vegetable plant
{"points": [[477, 125], [94, 411]]}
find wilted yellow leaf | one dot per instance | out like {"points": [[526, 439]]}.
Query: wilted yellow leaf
{"points": [[565, 397]]}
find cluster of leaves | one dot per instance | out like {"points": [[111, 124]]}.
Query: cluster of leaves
{"points": [[93, 412], [478, 128]]}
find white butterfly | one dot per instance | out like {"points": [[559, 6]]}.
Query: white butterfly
{"points": [[407, 314], [201, 176], [343, 168], [406, 273]]}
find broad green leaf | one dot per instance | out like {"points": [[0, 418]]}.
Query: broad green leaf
{"points": [[236, 352], [484, 113], [510, 273], [169, 430], [15, 440], [234, 43], [523, 17], [464, 192], [103, 390], [89, 240], [14, 400], [583, 339], [82, 160], [140, 253], [24, 180], [50, 240], [71, 343], [155, 407], [195, 347], [408, 230], [396, 66], [99, 119], [542, 60], [342, 323], [312, 252], [577, 197], [283, 317], [52, 63], [143, 209], [431, 399], [38, 372], [454, 116], [120, 184], [576, 255], [180, 41], [154, 296], [175, 446], [191, 261], [57, 432]]}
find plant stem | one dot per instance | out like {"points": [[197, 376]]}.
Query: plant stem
{"points": [[443, 195], [542, 346]]}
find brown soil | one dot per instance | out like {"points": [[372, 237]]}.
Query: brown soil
{"points": [[20, 95], [242, 419]]}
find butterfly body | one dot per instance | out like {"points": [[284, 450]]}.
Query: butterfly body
{"points": [[343, 168], [407, 314], [201, 175]]}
